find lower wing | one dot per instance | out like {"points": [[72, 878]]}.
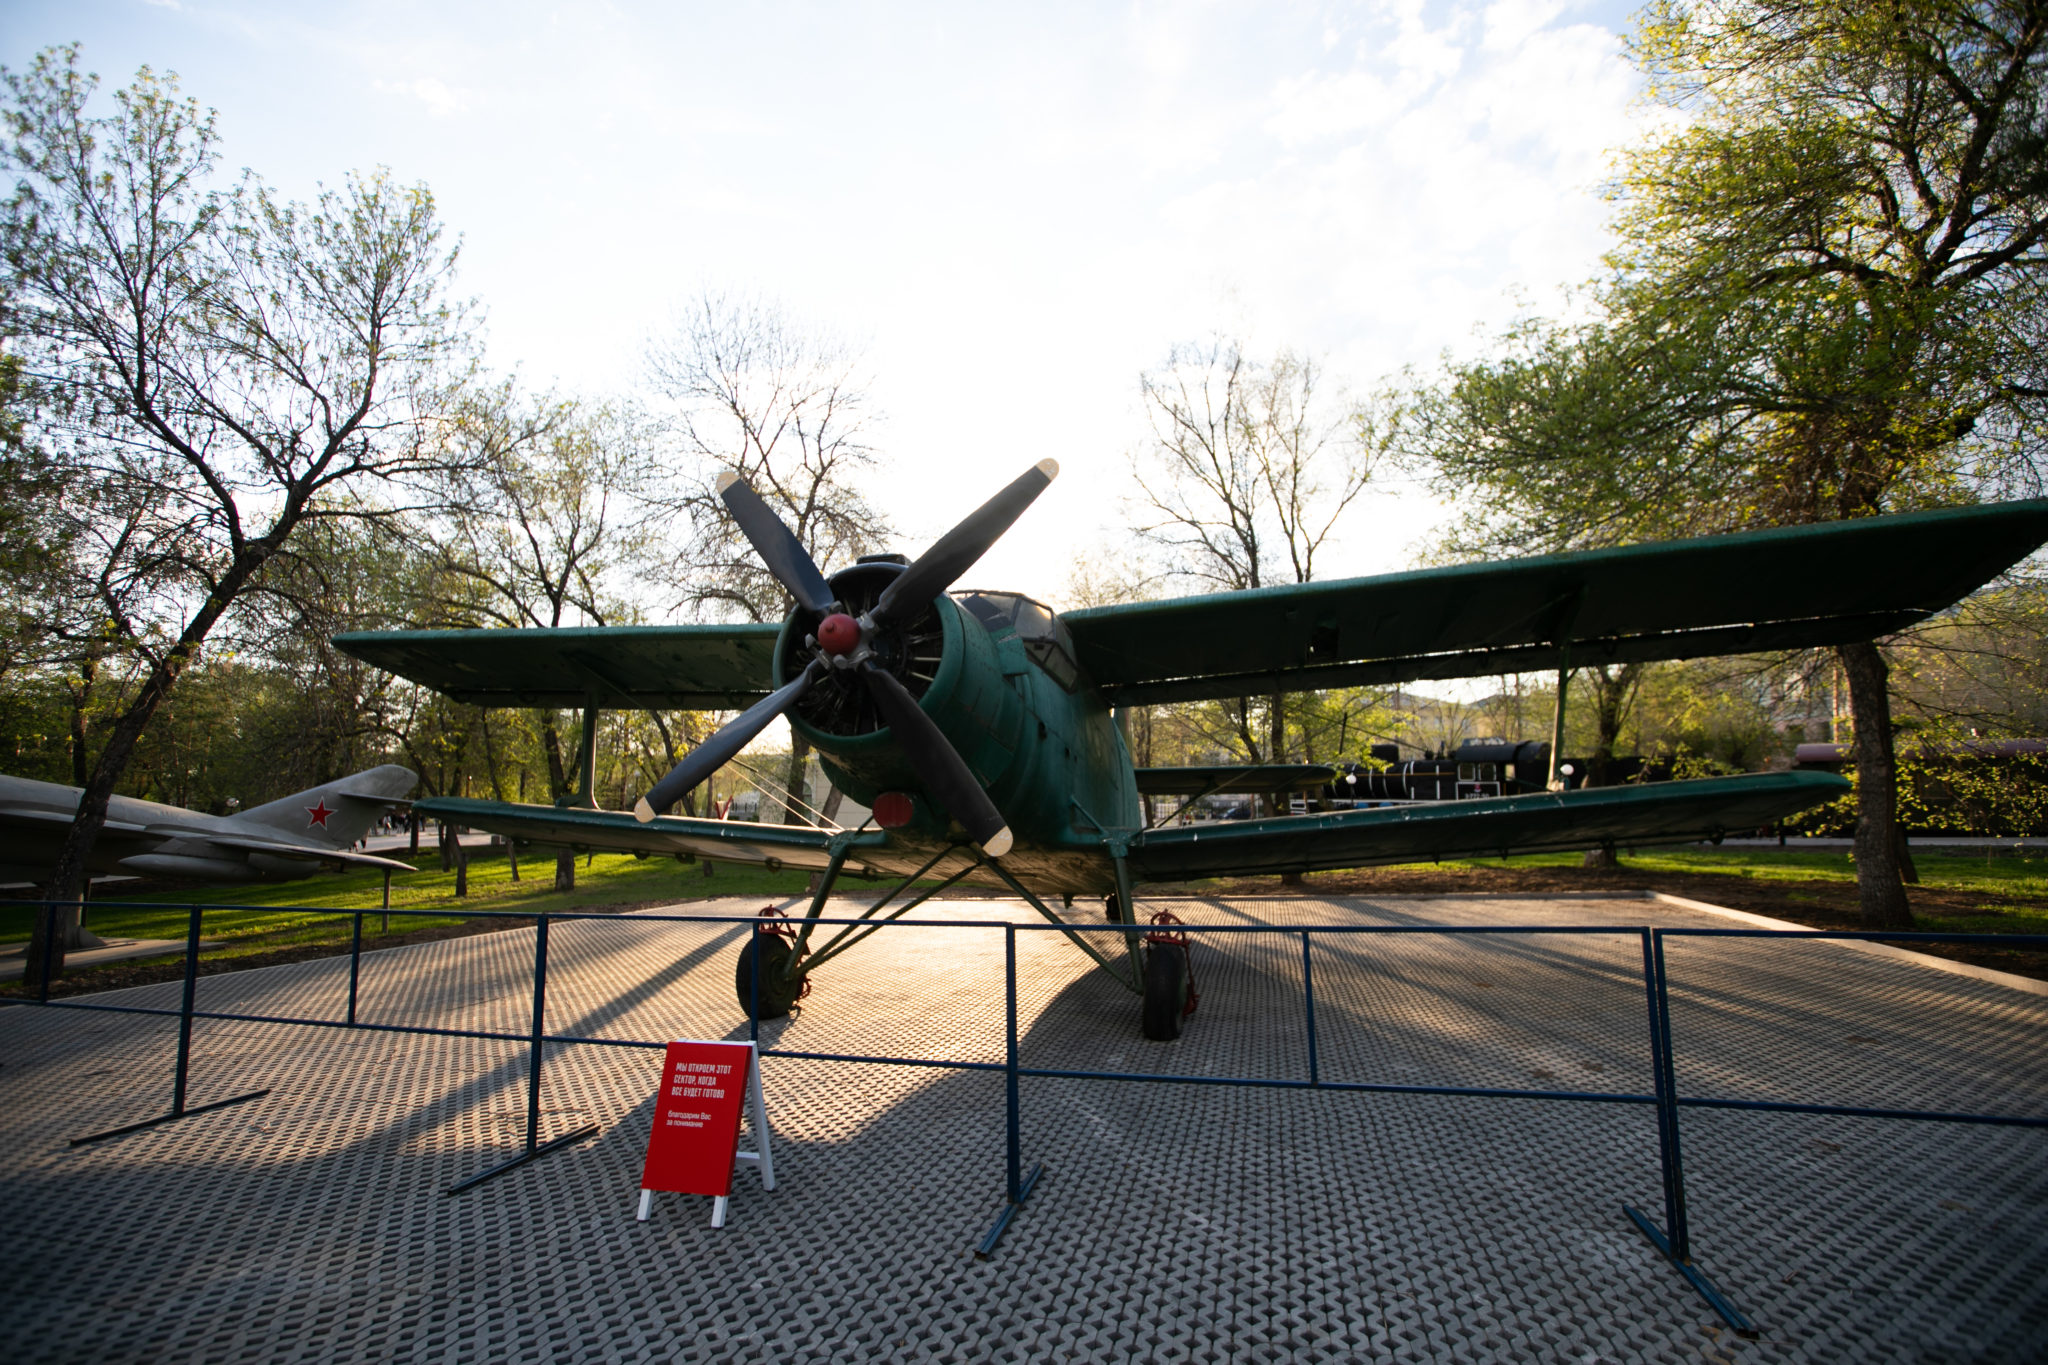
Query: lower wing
{"points": [[1660, 812], [616, 831]]}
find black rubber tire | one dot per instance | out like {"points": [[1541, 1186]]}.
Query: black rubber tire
{"points": [[777, 994], [1165, 993]]}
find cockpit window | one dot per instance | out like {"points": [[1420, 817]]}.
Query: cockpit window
{"points": [[1043, 635]]}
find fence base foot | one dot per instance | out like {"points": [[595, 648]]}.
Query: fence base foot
{"points": [[168, 1118], [1730, 1314], [588, 1130], [1002, 1223]]}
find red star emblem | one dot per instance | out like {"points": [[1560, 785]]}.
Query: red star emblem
{"points": [[319, 814]]}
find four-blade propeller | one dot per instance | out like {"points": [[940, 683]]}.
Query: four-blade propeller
{"points": [[842, 641]]}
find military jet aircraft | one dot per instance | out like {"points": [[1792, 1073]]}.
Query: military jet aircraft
{"points": [[292, 837], [980, 728]]}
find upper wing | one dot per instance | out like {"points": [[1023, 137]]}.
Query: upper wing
{"points": [[708, 668], [1657, 812], [1241, 777], [1789, 588], [739, 841]]}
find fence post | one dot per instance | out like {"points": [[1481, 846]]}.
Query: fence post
{"points": [[1018, 1186], [355, 961], [1667, 1103], [185, 1013], [1308, 995], [540, 1021], [1016, 1158], [1674, 1241], [536, 1042], [49, 948]]}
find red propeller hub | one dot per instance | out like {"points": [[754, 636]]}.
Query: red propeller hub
{"points": [[839, 634]]}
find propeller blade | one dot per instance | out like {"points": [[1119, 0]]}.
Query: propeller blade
{"points": [[713, 754], [777, 545], [910, 591], [938, 764]]}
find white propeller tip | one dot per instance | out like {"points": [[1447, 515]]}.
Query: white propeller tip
{"points": [[642, 811], [1049, 468], [726, 480], [997, 844]]}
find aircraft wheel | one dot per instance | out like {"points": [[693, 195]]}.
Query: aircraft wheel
{"points": [[777, 993], [1165, 993]]}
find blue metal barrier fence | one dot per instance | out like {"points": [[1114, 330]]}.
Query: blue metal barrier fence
{"points": [[1672, 1239]]}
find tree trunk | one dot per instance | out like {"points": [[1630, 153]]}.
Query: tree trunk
{"points": [[461, 866], [565, 870], [67, 879], [1879, 886], [1613, 686], [81, 697]]}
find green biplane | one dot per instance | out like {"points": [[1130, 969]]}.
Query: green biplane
{"points": [[980, 730]]}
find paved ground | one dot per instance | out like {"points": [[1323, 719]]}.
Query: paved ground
{"points": [[1175, 1223]]}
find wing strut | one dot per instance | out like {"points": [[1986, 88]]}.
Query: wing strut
{"points": [[1130, 983]]}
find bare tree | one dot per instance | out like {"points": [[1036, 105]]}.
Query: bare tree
{"points": [[786, 409], [226, 366], [545, 525], [1247, 472]]}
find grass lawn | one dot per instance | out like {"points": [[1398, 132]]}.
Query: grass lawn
{"points": [[2000, 893], [1974, 893], [300, 918]]}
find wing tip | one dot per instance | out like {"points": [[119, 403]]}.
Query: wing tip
{"points": [[643, 812], [1049, 468], [726, 480], [999, 843]]}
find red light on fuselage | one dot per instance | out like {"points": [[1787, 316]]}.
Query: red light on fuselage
{"points": [[894, 810]]}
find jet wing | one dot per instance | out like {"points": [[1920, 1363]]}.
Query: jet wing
{"points": [[34, 817], [707, 668], [737, 841], [1242, 777], [310, 852], [1658, 812], [1789, 588]]}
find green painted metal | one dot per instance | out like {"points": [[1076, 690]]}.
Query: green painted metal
{"points": [[1655, 812], [1054, 761], [1792, 587], [617, 667]]}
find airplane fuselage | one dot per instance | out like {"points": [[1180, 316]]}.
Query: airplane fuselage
{"points": [[149, 838], [1049, 752]]}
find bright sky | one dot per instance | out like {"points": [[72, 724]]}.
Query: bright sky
{"points": [[1016, 210]]}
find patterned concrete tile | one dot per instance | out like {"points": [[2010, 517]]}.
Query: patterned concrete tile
{"points": [[1175, 1222]]}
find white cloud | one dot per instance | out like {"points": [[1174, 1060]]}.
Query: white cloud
{"points": [[440, 99]]}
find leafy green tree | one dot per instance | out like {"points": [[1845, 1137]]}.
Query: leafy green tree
{"points": [[1828, 302], [220, 366]]}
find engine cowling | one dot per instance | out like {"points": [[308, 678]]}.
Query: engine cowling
{"points": [[943, 657]]}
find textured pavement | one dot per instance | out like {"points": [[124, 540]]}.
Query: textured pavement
{"points": [[1174, 1223]]}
